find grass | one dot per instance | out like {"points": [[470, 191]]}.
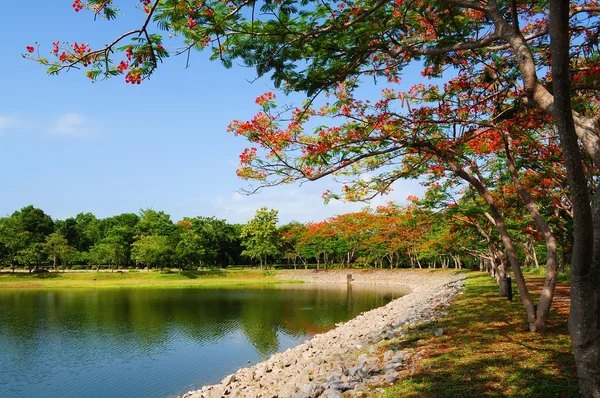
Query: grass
{"points": [[564, 276], [486, 351], [212, 279]]}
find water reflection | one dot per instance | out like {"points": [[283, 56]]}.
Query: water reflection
{"points": [[156, 342]]}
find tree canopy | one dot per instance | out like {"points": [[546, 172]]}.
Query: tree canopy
{"points": [[490, 92]]}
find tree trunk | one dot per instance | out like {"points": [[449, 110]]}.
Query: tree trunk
{"points": [[543, 309], [501, 272], [535, 259], [584, 318], [498, 220]]}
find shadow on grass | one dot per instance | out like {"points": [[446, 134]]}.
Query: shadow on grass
{"points": [[486, 351], [213, 273], [32, 275]]}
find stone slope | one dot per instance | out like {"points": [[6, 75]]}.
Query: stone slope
{"points": [[345, 359]]}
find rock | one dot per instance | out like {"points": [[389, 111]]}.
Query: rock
{"points": [[334, 378], [372, 368], [356, 373], [390, 379], [217, 391], [387, 355], [327, 365], [228, 380], [310, 390], [392, 366], [438, 332], [329, 393], [399, 357]]}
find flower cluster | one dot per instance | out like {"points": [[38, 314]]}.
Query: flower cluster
{"points": [[134, 76], [77, 5], [265, 98]]}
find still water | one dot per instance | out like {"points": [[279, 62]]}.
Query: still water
{"points": [[158, 342]]}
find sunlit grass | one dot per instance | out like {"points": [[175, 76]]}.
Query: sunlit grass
{"points": [[213, 279], [486, 351]]}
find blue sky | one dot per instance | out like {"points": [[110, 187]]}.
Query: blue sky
{"points": [[68, 145]]}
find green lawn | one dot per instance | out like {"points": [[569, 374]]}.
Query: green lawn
{"points": [[486, 351], [137, 279]]}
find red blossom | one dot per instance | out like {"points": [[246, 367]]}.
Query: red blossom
{"points": [[77, 5], [263, 99]]}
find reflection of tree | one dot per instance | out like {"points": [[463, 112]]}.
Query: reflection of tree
{"points": [[261, 319], [349, 297], [147, 319]]}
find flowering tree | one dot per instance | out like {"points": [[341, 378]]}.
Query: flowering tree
{"points": [[493, 57]]}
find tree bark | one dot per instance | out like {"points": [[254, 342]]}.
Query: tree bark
{"points": [[547, 294], [584, 319], [497, 219]]}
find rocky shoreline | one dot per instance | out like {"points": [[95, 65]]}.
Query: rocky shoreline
{"points": [[348, 359]]}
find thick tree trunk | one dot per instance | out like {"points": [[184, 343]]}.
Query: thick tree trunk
{"points": [[584, 319]]}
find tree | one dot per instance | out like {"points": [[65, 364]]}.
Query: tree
{"points": [[190, 248], [260, 236], [120, 238], [34, 222], [100, 254], [496, 53], [152, 251], [291, 233], [57, 247], [584, 319], [154, 222], [33, 255], [87, 230], [12, 241]]}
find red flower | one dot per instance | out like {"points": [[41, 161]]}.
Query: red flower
{"points": [[123, 66], [30, 49]]}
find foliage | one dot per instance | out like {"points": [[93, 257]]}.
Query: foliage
{"points": [[151, 251], [260, 236]]}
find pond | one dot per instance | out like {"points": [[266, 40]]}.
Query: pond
{"points": [[159, 342]]}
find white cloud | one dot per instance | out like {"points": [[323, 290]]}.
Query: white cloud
{"points": [[73, 125], [301, 203], [9, 122]]}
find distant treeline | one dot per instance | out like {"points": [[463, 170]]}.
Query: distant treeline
{"points": [[391, 237]]}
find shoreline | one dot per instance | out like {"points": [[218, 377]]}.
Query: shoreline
{"points": [[348, 358]]}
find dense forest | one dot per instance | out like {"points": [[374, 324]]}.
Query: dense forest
{"points": [[416, 235]]}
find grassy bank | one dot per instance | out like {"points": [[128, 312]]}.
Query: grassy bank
{"points": [[213, 279], [486, 350]]}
